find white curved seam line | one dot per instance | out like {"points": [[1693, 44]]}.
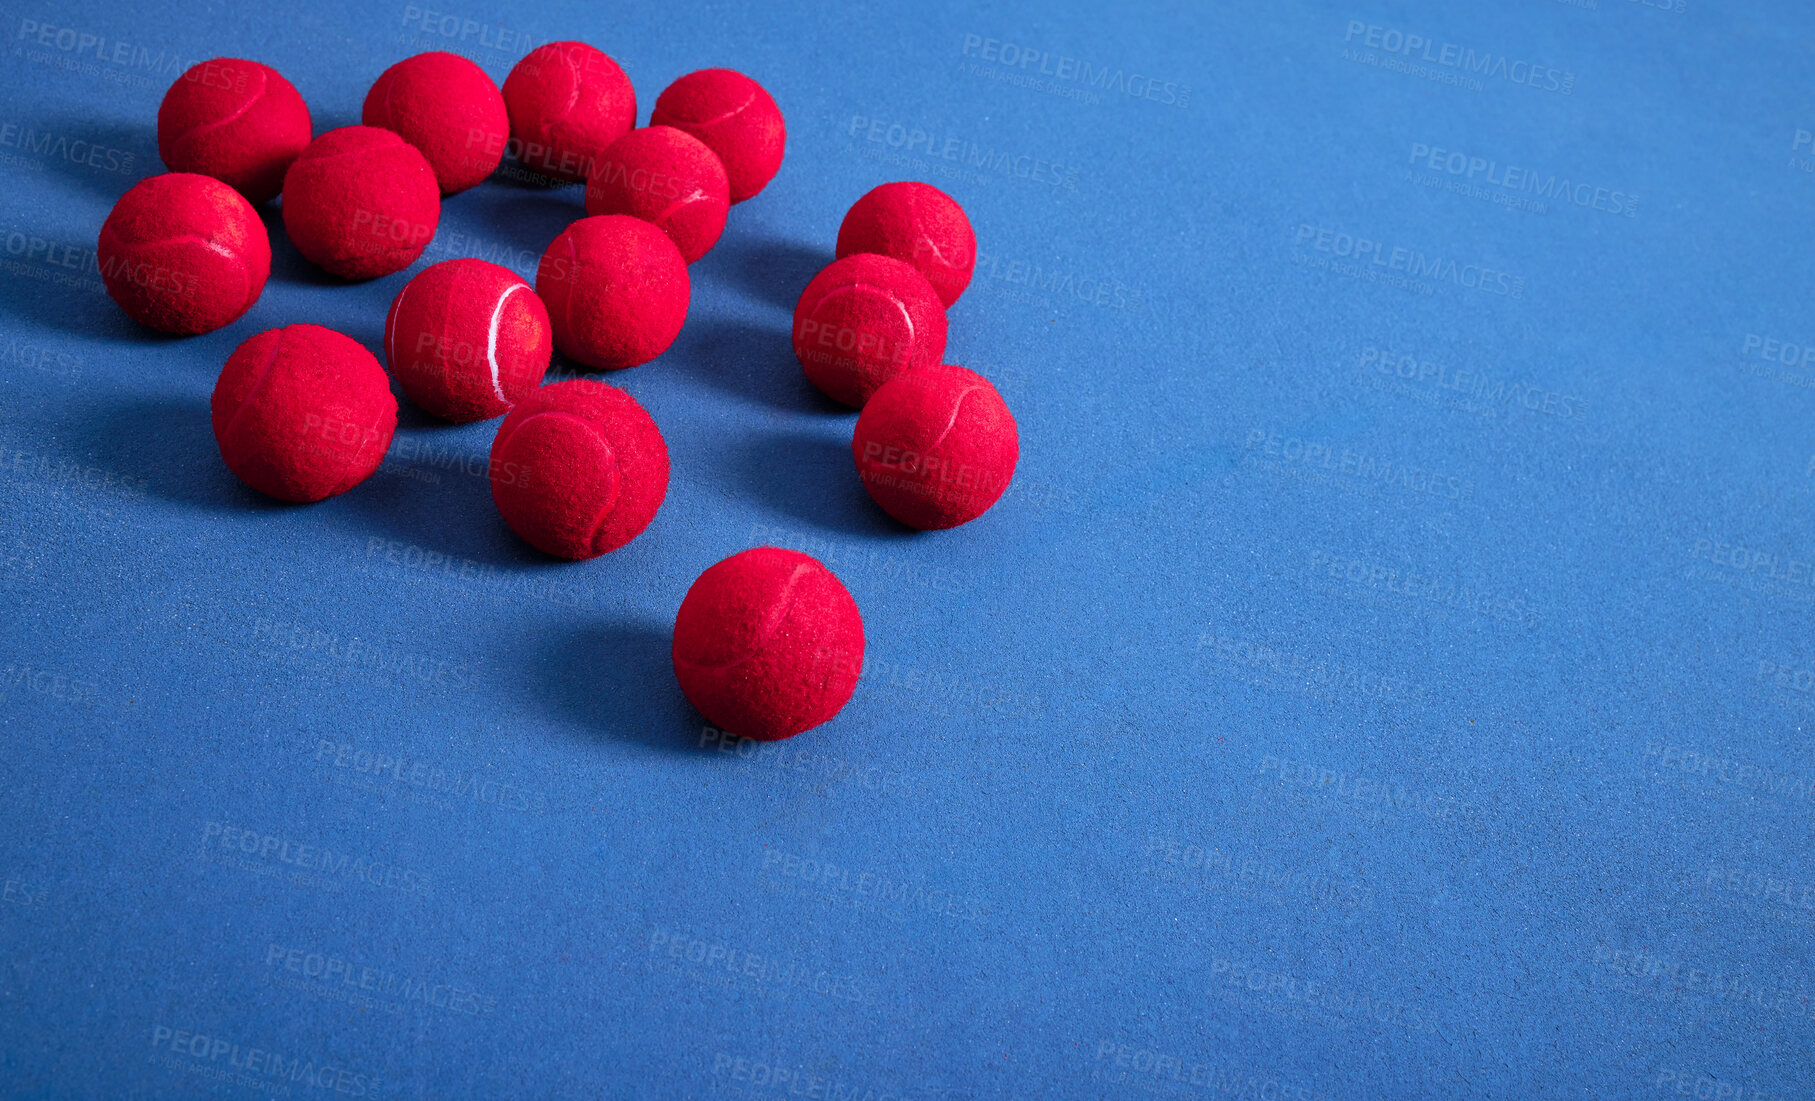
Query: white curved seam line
{"points": [[894, 300], [257, 384], [573, 98], [202, 128], [783, 602], [390, 327], [208, 243], [696, 194], [956, 405], [715, 119], [933, 247], [491, 340], [908, 320], [217, 248]]}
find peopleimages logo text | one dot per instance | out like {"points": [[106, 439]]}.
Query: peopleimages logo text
{"points": [[1520, 180], [1070, 70], [1369, 254], [1449, 55]]}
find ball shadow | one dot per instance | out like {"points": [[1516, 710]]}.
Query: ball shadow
{"points": [[121, 152], [563, 369], [810, 479], [514, 174], [168, 443], [752, 362], [434, 491], [57, 285], [508, 227], [87, 311], [287, 264], [414, 418], [616, 680], [768, 269]]}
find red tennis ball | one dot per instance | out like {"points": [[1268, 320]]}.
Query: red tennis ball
{"points": [[616, 289], [768, 643], [183, 253], [862, 321], [736, 119], [567, 101], [936, 446], [668, 178], [361, 202], [467, 340], [302, 413], [918, 223], [578, 469], [447, 108], [235, 120]]}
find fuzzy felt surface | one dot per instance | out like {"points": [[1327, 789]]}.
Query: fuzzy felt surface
{"points": [[183, 253], [302, 413], [668, 178], [467, 339], [616, 289], [236, 120], [768, 643], [920, 224], [736, 117], [567, 101], [578, 469], [447, 108], [862, 321], [361, 202], [936, 446]]}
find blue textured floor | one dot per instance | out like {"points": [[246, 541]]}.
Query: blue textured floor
{"points": [[1388, 675]]}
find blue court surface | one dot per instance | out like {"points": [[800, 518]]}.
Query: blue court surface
{"points": [[1388, 676]]}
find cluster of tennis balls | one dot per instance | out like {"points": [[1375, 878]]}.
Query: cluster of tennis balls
{"points": [[767, 643]]}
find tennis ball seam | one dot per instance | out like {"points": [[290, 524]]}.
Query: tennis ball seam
{"points": [[347, 477], [932, 246], [953, 420], [363, 154], [617, 467], [390, 327], [617, 485], [491, 339], [783, 603], [239, 262], [692, 197], [716, 119], [891, 296], [264, 85], [264, 374], [573, 96]]}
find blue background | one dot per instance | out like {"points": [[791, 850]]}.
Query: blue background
{"points": [[1294, 727]]}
